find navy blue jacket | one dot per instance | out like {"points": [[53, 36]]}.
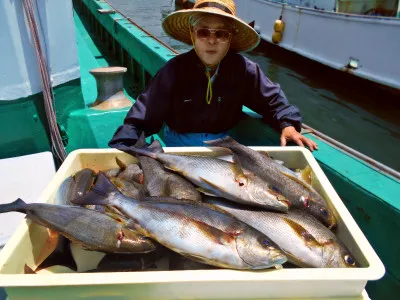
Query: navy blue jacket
{"points": [[177, 96]]}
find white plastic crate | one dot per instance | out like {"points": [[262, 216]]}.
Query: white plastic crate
{"points": [[26, 243]]}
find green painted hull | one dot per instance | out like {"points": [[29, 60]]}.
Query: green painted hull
{"points": [[109, 39]]}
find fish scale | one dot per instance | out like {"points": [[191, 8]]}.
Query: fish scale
{"points": [[192, 229], [215, 176], [308, 241], [299, 193], [92, 229], [220, 178]]}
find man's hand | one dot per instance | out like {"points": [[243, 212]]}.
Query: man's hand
{"points": [[290, 134]]}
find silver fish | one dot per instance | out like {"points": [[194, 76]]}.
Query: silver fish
{"points": [[74, 186], [192, 229], [298, 192], [306, 241], [162, 183], [131, 172], [218, 178], [130, 189], [91, 229]]}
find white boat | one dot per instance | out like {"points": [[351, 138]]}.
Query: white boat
{"points": [[359, 37]]}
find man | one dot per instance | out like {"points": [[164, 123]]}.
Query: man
{"points": [[200, 94]]}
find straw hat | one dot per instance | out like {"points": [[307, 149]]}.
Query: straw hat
{"points": [[177, 25]]}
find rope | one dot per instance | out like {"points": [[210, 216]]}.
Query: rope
{"points": [[57, 145], [209, 86]]}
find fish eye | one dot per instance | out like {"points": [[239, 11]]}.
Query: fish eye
{"points": [[349, 260], [275, 189], [266, 243], [324, 211]]}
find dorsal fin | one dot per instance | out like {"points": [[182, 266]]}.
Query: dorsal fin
{"points": [[305, 185], [120, 163], [306, 175]]}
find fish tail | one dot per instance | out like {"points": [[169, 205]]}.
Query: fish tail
{"points": [[225, 142], [156, 147], [99, 193], [18, 205], [142, 148]]}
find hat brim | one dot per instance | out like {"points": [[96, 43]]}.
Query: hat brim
{"points": [[177, 26]]}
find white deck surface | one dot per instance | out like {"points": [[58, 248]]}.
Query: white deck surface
{"points": [[22, 177]]}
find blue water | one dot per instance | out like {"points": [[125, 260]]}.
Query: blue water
{"points": [[357, 114]]}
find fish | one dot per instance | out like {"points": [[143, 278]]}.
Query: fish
{"points": [[216, 177], [129, 188], [298, 192], [162, 183], [112, 172], [305, 240], [91, 229], [191, 229], [74, 186], [131, 172]]}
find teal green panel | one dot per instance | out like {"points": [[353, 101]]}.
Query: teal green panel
{"points": [[379, 221], [360, 173], [23, 127], [68, 97], [386, 288], [89, 128], [24, 124]]}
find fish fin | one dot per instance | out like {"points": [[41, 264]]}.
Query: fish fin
{"points": [[140, 148], [156, 147], [237, 169], [168, 199], [174, 169], [225, 142], [303, 233], [18, 205], [265, 153], [218, 236], [306, 175], [120, 163], [167, 189], [141, 142], [99, 193], [117, 182], [117, 216], [299, 181], [206, 192], [196, 258], [212, 185], [279, 162]]}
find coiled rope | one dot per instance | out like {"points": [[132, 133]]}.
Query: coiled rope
{"points": [[57, 145]]}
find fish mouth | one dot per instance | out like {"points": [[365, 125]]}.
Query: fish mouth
{"points": [[287, 203], [278, 260], [332, 224]]}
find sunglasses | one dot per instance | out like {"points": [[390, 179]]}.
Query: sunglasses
{"points": [[221, 35]]}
